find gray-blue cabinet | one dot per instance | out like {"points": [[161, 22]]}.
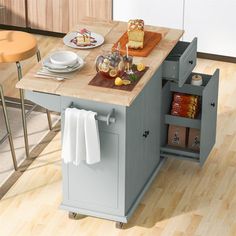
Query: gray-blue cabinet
{"points": [[205, 122], [130, 157]]}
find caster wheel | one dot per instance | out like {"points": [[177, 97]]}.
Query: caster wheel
{"points": [[119, 225], [73, 215]]}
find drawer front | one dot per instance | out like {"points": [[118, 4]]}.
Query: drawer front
{"points": [[181, 61], [209, 116], [51, 102]]}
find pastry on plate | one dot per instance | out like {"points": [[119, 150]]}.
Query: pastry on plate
{"points": [[83, 38], [135, 33]]}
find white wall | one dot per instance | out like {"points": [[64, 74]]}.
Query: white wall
{"points": [[212, 21], [167, 13]]}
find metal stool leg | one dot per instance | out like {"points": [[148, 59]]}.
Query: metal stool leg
{"points": [[47, 111], [22, 99], [9, 134]]}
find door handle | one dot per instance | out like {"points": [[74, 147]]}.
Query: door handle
{"points": [[146, 133], [213, 104]]}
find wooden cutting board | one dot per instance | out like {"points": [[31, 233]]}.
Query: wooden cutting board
{"points": [[151, 39], [100, 81]]}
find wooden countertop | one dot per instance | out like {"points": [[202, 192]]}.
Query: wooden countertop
{"points": [[78, 86]]}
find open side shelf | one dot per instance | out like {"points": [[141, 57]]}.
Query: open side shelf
{"points": [[182, 121], [182, 153]]}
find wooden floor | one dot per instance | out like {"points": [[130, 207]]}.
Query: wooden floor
{"points": [[184, 199]]}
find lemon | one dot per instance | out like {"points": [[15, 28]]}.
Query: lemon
{"points": [[126, 82], [113, 73], [140, 67], [118, 81], [104, 68]]}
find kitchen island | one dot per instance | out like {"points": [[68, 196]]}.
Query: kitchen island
{"points": [[130, 144]]}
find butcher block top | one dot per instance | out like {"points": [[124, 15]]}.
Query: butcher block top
{"points": [[78, 86]]}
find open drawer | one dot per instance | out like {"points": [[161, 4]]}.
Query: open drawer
{"points": [[180, 62], [206, 122]]}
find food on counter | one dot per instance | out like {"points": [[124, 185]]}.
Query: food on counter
{"points": [[84, 38], [110, 64], [141, 67], [126, 82], [185, 105], [119, 81], [135, 33]]}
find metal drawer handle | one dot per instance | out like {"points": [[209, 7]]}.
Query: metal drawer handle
{"points": [[146, 133], [213, 104], [191, 62]]}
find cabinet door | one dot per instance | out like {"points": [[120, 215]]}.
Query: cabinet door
{"points": [[152, 124], [12, 12], [79, 9], [167, 13], [49, 15], [213, 22], [209, 117]]}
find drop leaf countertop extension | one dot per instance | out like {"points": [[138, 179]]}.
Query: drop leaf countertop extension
{"points": [[78, 86]]}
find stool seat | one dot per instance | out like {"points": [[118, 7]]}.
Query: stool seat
{"points": [[16, 46]]}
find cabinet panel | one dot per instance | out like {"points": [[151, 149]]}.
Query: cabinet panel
{"points": [[50, 15], [152, 124], [12, 12], [154, 12], [209, 117], [213, 22], [79, 9], [63, 15], [100, 180]]}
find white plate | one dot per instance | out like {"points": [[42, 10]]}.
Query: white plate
{"points": [[63, 58], [70, 36], [51, 67]]}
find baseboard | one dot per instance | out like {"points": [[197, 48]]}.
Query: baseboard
{"points": [[216, 57], [33, 31]]}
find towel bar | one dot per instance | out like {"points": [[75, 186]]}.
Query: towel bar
{"points": [[109, 118]]}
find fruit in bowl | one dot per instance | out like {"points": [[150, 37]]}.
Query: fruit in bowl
{"points": [[110, 64]]}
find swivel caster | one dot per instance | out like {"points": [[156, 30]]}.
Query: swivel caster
{"points": [[73, 215], [119, 225]]}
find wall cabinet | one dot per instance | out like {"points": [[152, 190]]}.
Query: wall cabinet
{"points": [[49, 15], [52, 15], [63, 15], [13, 12]]}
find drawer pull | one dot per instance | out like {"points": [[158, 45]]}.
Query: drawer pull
{"points": [[213, 104], [146, 133], [191, 62]]}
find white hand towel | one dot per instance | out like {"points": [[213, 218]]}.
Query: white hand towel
{"points": [[69, 135], [80, 138], [92, 140]]}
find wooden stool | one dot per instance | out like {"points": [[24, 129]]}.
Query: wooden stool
{"points": [[17, 46]]}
